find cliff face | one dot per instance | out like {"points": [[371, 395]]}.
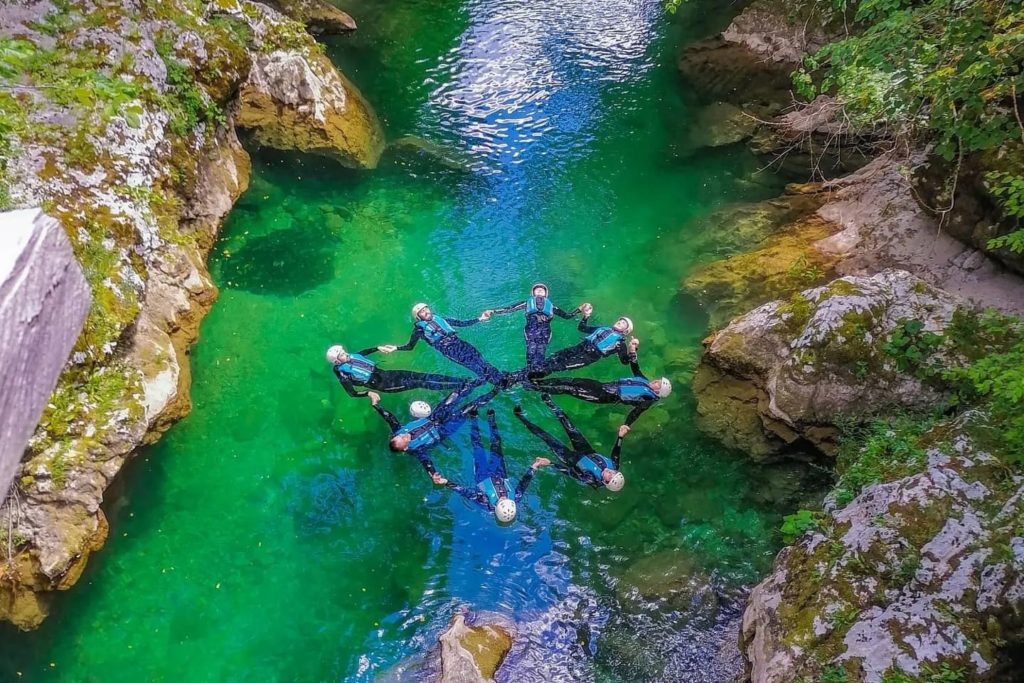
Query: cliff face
{"points": [[913, 570], [915, 577], [120, 120]]}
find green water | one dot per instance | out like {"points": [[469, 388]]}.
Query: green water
{"points": [[271, 536]]}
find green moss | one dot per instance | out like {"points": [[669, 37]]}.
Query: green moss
{"points": [[839, 287], [796, 312]]}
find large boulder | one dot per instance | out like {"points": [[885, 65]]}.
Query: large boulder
{"points": [[913, 578], [295, 98], [789, 371], [44, 299], [472, 654]]}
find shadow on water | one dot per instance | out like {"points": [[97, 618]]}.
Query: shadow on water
{"points": [[283, 263]]}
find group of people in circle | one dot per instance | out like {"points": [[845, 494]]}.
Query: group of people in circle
{"points": [[492, 489]]}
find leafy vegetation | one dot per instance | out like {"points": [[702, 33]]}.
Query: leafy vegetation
{"points": [[882, 450], [797, 524], [940, 70]]}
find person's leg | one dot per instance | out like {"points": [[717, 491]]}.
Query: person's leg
{"points": [[579, 442], [578, 387], [571, 358], [480, 466], [538, 336], [497, 455], [560, 451], [391, 381], [466, 355]]}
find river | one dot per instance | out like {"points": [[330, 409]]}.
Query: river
{"points": [[271, 536]]}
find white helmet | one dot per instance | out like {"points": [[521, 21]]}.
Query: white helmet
{"points": [[616, 483], [416, 310], [540, 284], [629, 324], [505, 511], [333, 354], [666, 388], [419, 409]]}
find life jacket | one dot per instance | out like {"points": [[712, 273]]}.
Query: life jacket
{"points": [[358, 368], [595, 464], [435, 329], [604, 339], [540, 304], [492, 493], [636, 389], [423, 432]]}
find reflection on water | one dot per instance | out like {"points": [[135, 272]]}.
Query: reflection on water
{"points": [[272, 536]]}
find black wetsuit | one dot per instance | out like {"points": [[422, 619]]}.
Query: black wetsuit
{"points": [[453, 348], [445, 419], [634, 391], [490, 465], [390, 381], [538, 327], [584, 353], [569, 458]]}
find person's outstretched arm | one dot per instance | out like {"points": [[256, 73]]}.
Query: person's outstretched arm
{"points": [[634, 367], [627, 352], [417, 334], [428, 464], [392, 421], [349, 389], [462, 323], [585, 327], [617, 448], [524, 483], [562, 314], [511, 308], [367, 352], [473, 495], [637, 411]]}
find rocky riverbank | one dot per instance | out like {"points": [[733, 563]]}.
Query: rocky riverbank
{"points": [[849, 301], [121, 123]]}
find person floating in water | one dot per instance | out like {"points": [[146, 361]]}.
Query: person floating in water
{"points": [[439, 332], [417, 436], [581, 462], [493, 491], [539, 313], [637, 391], [355, 369], [600, 342]]}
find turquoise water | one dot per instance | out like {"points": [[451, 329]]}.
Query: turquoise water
{"points": [[271, 536]]}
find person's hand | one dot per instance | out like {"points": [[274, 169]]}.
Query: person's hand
{"points": [[540, 462], [586, 310], [438, 479], [623, 430], [634, 344], [387, 348], [374, 397], [486, 315]]}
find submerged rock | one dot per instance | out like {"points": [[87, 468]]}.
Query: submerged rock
{"points": [[790, 371], [670, 581], [295, 98], [720, 124], [319, 16], [472, 654], [780, 264], [914, 576]]}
